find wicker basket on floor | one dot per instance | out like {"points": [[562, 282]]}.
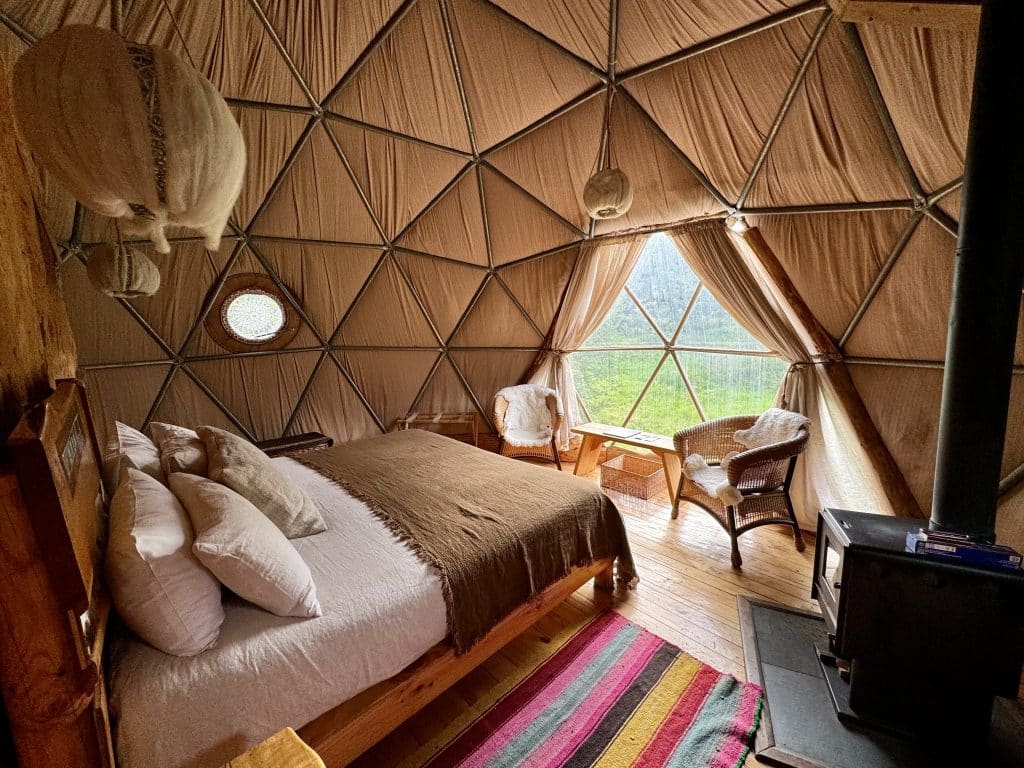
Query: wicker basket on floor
{"points": [[633, 475]]}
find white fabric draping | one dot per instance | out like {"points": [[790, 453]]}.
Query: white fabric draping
{"points": [[834, 470], [601, 272]]}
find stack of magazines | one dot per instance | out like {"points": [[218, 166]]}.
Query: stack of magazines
{"points": [[956, 546]]}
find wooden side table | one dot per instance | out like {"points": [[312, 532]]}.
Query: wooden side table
{"points": [[594, 436], [307, 441], [282, 750], [427, 420]]}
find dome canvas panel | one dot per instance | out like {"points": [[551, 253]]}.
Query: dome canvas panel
{"points": [[445, 287], [496, 321], [123, 394], [579, 27], [453, 225], [538, 284], [186, 404], [390, 381], [333, 407], [386, 296]]}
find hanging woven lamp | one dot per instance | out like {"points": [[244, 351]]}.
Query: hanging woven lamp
{"points": [[608, 193], [122, 272], [132, 131]]}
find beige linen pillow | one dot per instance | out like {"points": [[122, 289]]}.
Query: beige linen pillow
{"points": [[181, 450], [247, 470], [130, 449], [159, 587], [246, 551]]}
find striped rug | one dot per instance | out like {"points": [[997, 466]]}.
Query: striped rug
{"points": [[615, 696]]}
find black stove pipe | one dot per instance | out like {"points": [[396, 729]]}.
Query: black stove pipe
{"points": [[987, 283]]}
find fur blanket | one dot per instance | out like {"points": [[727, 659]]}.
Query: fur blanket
{"points": [[527, 420]]}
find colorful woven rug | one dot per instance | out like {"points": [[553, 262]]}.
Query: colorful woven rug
{"points": [[614, 695]]}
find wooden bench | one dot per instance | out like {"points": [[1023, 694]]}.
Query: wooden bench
{"points": [[594, 436]]}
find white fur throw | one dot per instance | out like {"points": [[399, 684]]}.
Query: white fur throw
{"points": [[773, 426], [713, 480], [527, 420]]}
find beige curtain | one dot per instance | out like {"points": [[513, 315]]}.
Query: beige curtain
{"points": [[834, 470], [602, 271]]}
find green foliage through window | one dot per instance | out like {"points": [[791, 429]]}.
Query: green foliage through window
{"points": [[626, 373]]}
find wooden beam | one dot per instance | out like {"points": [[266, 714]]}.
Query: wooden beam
{"points": [[945, 14], [895, 485]]}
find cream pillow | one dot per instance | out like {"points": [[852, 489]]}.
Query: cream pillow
{"points": [[159, 587], [130, 449], [181, 450], [246, 551], [247, 470]]}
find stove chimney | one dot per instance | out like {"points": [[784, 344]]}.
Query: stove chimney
{"points": [[987, 284]]}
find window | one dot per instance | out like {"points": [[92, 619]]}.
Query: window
{"points": [[250, 313], [668, 356]]}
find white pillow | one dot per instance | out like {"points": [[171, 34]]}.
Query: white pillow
{"points": [[159, 587], [248, 471], [130, 449], [181, 450], [246, 551]]}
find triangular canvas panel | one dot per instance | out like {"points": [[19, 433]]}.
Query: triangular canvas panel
{"points": [[186, 275], [926, 77], [226, 40], [951, 203], [495, 321], [332, 407], [324, 278], [317, 199], [122, 394], [453, 227], [554, 162], [269, 136], [508, 210], [390, 381], [580, 27], [503, 98], [408, 84], [260, 391], [445, 287], [904, 404], [487, 372], [399, 177], [629, 370], [666, 406], [831, 147], [833, 259], [908, 317], [719, 107], [664, 189], [324, 39], [386, 315], [624, 326], [539, 284], [656, 28], [445, 392], [105, 332], [187, 405]]}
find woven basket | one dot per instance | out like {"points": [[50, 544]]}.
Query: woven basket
{"points": [[633, 475]]}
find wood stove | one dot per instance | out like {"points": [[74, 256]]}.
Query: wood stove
{"points": [[916, 645]]}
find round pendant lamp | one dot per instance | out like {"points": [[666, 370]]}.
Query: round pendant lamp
{"points": [[122, 272], [608, 193], [132, 131]]}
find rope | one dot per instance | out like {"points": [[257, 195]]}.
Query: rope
{"points": [[181, 37]]}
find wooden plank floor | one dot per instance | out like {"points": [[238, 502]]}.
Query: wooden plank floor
{"points": [[687, 595]]}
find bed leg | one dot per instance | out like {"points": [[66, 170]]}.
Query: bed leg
{"points": [[605, 579]]}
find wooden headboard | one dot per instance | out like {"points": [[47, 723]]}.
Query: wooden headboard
{"points": [[54, 607]]}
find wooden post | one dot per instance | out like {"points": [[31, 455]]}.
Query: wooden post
{"points": [[895, 485]]}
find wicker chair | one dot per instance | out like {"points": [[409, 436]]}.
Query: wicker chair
{"points": [[543, 447], [761, 475]]}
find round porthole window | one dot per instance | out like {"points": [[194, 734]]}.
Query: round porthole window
{"points": [[250, 313], [253, 315]]}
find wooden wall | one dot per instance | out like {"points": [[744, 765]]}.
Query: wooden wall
{"points": [[36, 343]]}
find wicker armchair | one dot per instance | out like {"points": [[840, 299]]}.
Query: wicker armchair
{"points": [[541, 448], [761, 475]]}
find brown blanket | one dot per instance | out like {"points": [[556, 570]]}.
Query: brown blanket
{"points": [[498, 530]]}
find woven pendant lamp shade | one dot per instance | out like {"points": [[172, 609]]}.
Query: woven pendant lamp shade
{"points": [[132, 131], [122, 272], [608, 194]]}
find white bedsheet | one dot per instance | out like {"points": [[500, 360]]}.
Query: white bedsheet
{"points": [[382, 607]]}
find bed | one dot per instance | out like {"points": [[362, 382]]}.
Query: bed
{"points": [[319, 676]]}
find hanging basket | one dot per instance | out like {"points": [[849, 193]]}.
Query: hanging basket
{"points": [[608, 194], [122, 272], [132, 131]]}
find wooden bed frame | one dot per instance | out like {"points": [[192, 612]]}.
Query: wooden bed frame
{"points": [[54, 608]]}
